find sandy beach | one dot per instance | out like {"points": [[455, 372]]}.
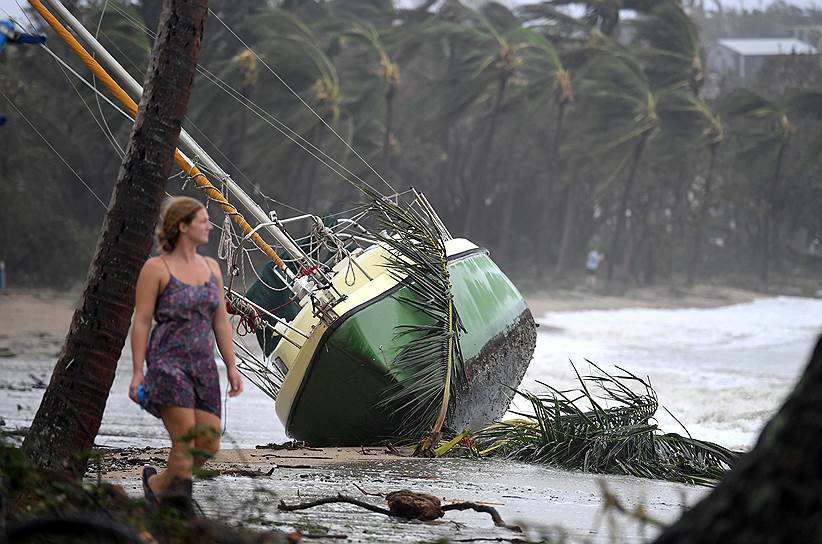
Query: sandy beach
{"points": [[544, 501], [47, 313], [33, 325]]}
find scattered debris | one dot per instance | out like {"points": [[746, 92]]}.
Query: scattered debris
{"points": [[38, 382], [290, 445]]}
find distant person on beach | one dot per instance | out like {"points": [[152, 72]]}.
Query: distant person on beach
{"points": [[183, 292], [592, 263]]}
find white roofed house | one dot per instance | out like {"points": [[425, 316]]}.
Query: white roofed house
{"points": [[745, 57]]}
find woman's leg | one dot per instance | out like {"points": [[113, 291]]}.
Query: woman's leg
{"points": [[178, 422], [207, 438]]}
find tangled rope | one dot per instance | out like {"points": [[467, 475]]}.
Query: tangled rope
{"points": [[250, 320]]}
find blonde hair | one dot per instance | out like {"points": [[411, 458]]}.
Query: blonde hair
{"points": [[176, 210]]}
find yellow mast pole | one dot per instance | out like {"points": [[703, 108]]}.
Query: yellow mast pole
{"points": [[182, 161]]}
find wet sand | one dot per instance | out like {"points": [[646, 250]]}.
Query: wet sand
{"points": [[252, 481], [540, 499]]}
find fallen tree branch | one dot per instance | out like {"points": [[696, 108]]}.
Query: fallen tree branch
{"points": [[490, 510], [328, 500], [407, 505]]}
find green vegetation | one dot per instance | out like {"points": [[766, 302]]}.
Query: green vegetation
{"points": [[534, 133], [610, 433]]}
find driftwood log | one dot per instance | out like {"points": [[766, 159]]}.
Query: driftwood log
{"points": [[407, 505]]}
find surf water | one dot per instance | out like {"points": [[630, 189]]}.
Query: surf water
{"points": [[721, 371]]}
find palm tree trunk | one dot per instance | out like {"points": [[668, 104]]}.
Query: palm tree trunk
{"points": [[699, 231], [544, 191], [71, 410], [504, 234], [389, 118], [476, 197], [569, 198], [772, 494], [770, 215], [613, 253]]}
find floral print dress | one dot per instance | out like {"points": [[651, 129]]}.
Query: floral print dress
{"points": [[180, 357]]}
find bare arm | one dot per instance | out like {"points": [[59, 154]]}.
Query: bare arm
{"points": [[223, 334], [145, 297]]}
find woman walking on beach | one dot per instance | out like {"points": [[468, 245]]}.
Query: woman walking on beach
{"points": [[183, 292]]}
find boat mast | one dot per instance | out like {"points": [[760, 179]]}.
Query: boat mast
{"points": [[193, 148]]}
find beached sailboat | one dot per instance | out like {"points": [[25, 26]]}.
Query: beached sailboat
{"points": [[376, 325]]}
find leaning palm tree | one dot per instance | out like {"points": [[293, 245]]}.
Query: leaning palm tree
{"points": [[604, 15], [496, 58], [297, 52], [622, 110], [690, 121], [72, 407], [773, 127], [387, 72], [548, 80], [670, 47]]}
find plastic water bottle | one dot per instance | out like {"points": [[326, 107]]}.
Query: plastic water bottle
{"points": [[141, 395]]}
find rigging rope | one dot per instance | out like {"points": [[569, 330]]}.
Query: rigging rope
{"points": [[269, 118], [73, 171], [94, 81], [127, 101], [304, 103]]}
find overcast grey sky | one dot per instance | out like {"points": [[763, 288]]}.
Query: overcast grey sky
{"points": [[10, 7]]}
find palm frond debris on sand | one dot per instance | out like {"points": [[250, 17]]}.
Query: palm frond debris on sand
{"points": [[611, 432]]}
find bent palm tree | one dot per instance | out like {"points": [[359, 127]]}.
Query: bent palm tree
{"points": [[388, 75], [547, 75], [690, 119], [673, 54], [497, 60], [772, 142], [71, 410], [623, 107]]}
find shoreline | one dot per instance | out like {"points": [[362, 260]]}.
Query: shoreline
{"points": [[582, 298], [47, 313]]}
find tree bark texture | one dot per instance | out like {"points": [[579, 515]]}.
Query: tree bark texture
{"points": [[69, 416], [774, 494]]}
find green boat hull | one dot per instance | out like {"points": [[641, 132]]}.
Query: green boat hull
{"points": [[338, 400]]}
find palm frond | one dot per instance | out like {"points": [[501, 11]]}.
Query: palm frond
{"points": [[428, 368], [674, 52], [745, 103], [573, 430]]}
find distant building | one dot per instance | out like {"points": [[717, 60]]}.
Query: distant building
{"points": [[744, 57]]}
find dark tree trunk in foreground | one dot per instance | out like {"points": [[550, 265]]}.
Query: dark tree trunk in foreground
{"points": [[774, 494], [69, 416]]}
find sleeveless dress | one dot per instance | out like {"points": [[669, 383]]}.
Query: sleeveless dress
{"points": [[180, 357]]}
